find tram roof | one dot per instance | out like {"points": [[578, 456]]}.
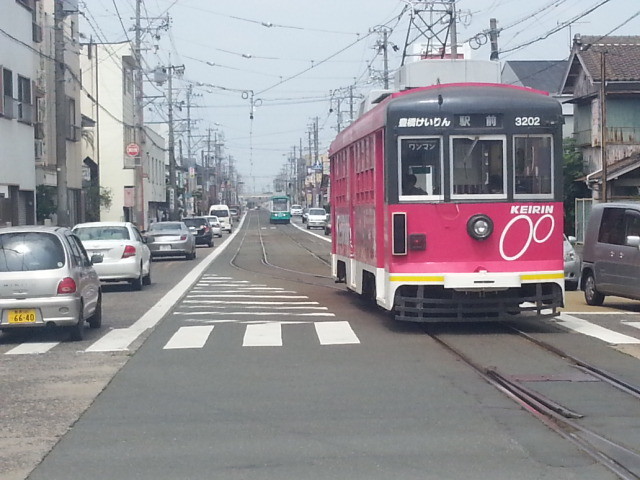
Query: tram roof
{"points": [[375, 119]]}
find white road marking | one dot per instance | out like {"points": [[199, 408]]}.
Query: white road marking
{"points": [[244, 296], [592, 330], [263, 335], [632, 324], [31, 348], [259, 314], [207, 302], [189, 337], [335, 333]]}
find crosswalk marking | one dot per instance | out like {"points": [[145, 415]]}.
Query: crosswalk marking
{"points": [[254, 314], [215, 295], [31, 348], [592, 330], [207, 302], [189, 337], [335, 333], [263, 335]]}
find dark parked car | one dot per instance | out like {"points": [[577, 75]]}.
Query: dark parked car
{"points": [[611, 252], [201, 229]]}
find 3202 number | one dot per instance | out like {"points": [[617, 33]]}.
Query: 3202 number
{"points": [[527, 121]]}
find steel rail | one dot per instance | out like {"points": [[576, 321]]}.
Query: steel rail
{"points": [[620, 460]]}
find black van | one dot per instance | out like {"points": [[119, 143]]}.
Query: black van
{"points": [[611, 253]]}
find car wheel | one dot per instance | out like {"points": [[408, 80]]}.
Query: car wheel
{"points": [[210, 244], [591, 295], [146, 280], [570, 286], [308, 227], [77, 331], [95, 321], [191, 256], [136, 284]]}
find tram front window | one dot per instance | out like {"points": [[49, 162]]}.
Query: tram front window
{"points": [[533, 165], [420, 167], [477, 166]]}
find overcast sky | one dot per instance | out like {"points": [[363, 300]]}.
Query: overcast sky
{"points": [[291, 54]]}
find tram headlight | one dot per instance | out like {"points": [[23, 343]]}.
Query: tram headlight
{"points": [[480, 227]]}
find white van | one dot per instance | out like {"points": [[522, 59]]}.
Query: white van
{"points": [[223, 214]]}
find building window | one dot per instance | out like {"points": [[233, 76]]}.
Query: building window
{"points": [[7, 94], [25, 105], [74, 129]]}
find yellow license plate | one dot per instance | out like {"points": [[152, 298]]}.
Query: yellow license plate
{"points": [[22, 315]]}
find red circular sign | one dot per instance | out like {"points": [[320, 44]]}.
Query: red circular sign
{"points": [[133, 150]]}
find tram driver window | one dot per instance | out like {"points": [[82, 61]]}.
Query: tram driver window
{"points": [[477, 166], [532, 165], [420, 167]]}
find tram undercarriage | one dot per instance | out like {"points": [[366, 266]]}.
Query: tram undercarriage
{"points": [[428, 303]]}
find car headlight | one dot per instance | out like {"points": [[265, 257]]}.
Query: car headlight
{"points": [[480, 227], [569, 256]]}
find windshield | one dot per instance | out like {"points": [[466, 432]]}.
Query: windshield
{"points": [[166, 226], [317, 211], [220, 213], [102, 233], [194, 222], [23, 252]]}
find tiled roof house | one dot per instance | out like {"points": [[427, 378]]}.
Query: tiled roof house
{"points": [[619, 56], [545, 75]]}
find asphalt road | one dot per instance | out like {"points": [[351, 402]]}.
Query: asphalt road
{"points": [[266, 369]]}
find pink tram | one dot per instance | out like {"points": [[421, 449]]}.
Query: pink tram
{"points": [[446, 203]]}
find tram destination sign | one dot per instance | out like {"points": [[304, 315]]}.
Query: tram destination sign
{"points": [[478, 121]]}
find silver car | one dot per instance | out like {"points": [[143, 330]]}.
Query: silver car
{"points": [[126, 257], [316, 218], [216, 228], [171, 239], [47, 279], [571, 264]]}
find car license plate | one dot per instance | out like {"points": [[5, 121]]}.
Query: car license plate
{"points": [[22, 315], [165, 247]]}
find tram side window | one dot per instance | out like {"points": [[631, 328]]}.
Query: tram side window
{"points": [[478, 166], [420, 166], [533, 165]]}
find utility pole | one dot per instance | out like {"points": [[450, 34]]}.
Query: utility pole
{"points": [[62, 120], [493, 35], [453, 31], [603, 122], [173, 194], [139, 136]]}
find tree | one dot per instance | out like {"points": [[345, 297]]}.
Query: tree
{"points": [[573, 187]]}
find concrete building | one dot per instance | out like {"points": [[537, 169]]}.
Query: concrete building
{"points": [[45, 100], [108, 112], [18, 75]]}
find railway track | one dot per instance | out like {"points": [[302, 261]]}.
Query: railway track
{"points": [[618, 457], [287, 273]]}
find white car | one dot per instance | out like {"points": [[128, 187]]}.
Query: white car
{"points": [[124, 252], [216, 228], [296, 210]]}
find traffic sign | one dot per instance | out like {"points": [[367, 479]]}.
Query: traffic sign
{"points": [[133, 150]]}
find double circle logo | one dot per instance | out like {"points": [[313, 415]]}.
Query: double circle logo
{"points": [[534, 234]]}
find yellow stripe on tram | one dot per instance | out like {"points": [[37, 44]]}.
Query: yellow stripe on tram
{"points": [[542, 276], [406, 278]]}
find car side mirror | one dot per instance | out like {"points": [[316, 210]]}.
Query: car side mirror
{"points": [[572, 239]]}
